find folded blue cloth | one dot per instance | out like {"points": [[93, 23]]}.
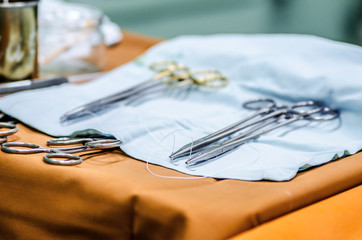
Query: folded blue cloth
{"points": [[287, 68]]}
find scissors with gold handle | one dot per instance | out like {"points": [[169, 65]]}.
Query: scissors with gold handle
{"points": [[169, 73]]}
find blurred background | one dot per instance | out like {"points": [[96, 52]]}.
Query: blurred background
{"points": [[334, 19]]}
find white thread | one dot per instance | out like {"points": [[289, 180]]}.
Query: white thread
{"points": [[173, 147], [140, 122], [192, 146], [169, 177]]}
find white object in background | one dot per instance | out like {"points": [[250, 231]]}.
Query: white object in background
{"points": [[72, 38]]}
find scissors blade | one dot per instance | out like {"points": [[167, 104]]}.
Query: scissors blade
{"points": [[202, 142], [216, 150], [97, 106]]}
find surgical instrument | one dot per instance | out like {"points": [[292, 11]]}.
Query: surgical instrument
{"points": [[289, 116], [169, 74], [88, 144], [263, 106], [29, 84]]}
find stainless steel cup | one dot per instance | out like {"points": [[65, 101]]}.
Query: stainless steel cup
{"points": [[18, 40]]}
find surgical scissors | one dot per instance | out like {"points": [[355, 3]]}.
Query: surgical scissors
{"points": [[307, 110], [87, 144], [169, 74]]}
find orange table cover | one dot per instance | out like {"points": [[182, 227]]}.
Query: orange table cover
{"points": [[112, 196], [338, 217]]}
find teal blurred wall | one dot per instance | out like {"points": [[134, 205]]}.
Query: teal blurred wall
{"points": [[335, 19]]}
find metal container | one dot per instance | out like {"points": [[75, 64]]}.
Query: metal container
{"points": [[18, 40]]}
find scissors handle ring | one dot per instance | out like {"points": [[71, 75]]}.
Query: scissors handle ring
{"points": [[324, 115], [162, 66], [305, 108], [259, 104], [70, 159], [13, 129], [3, 139], [178, 73], [104, 144], [8, 147], [209, 78]]}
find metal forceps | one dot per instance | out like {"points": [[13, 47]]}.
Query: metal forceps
{"points": [[169, 74], [87, 144], [8, 125], [307, 110]]}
